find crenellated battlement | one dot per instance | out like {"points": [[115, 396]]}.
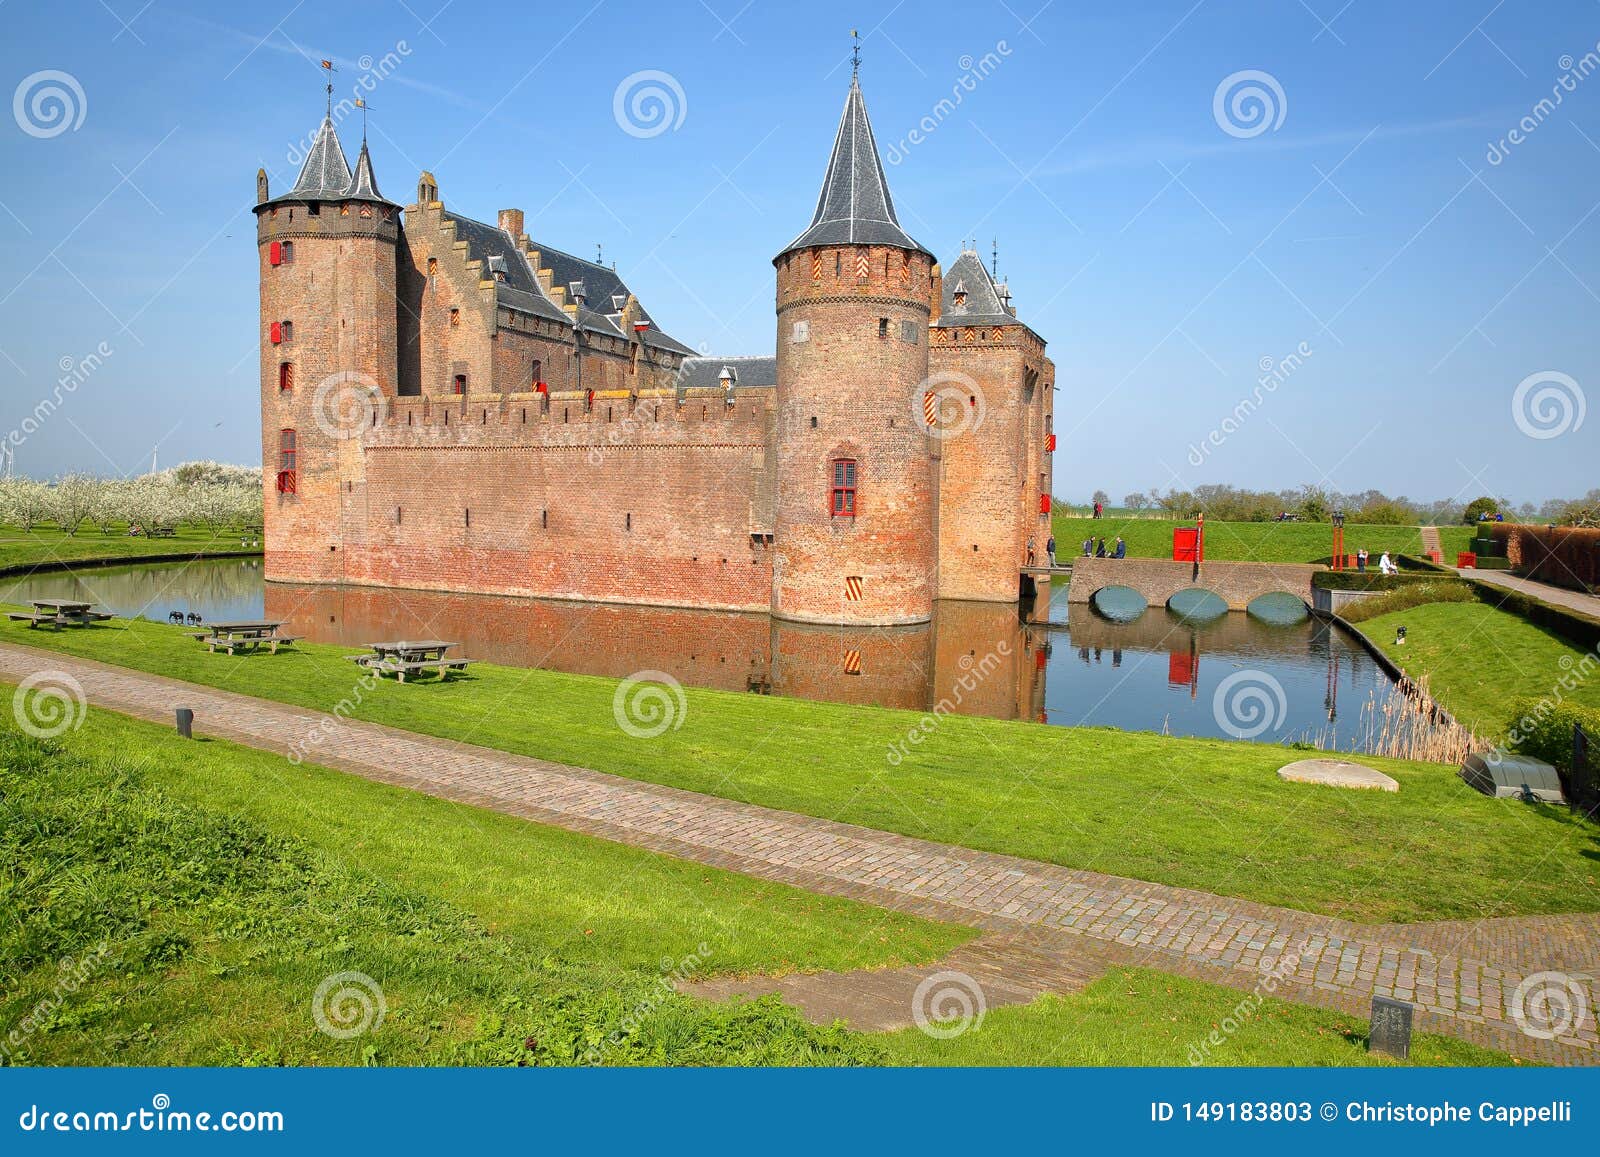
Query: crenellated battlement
{"points": [[569, 419]]}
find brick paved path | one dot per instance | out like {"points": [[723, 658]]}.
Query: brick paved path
{"points": [[1462, 975]]}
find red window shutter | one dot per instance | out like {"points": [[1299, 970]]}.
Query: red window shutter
{"points": [[1044, 504], [286, 482], [276, 332], [275, 252], [1050, 443]]}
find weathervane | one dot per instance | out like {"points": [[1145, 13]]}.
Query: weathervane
{"points": [[855, 52], [327, 67], [363, 106], [994, 259]]}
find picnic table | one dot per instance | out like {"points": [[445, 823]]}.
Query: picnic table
{"points": [[411, 657], [60, 613], [244, 636]]}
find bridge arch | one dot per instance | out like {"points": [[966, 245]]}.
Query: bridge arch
{"points": [[1197, 604], [1158, 579], [1121, 604]]}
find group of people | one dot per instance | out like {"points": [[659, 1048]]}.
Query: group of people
{"points": [[1386, 565], [1091, 547]]}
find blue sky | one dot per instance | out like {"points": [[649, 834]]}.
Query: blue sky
{"points": [[1164, 247]]}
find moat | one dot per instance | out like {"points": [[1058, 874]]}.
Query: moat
{"points": [[1156, 673]]}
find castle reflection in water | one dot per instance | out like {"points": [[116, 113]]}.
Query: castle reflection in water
{"points": [[973, 658], [1156, 673]]}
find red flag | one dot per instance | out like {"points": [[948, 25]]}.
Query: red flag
{"points": [[328, 64]]}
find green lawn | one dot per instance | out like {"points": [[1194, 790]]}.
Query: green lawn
{"points": [[1207, 814], [1477, 659], [1137, 1016], [1252, 541], [44, 544], [182, 902]]}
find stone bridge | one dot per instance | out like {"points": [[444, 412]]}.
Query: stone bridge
{"points": [[1158, 579]]}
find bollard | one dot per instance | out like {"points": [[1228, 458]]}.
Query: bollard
{"points": [[186, 722]]}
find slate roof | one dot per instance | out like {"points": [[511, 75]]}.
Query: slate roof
{"points": [[521, 289], [984, 305], [706, 373], [854, 206], [326, 174], [363, 185]]}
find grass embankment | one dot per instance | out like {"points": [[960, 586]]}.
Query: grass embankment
{"points": [[22, 549], [1479, 660], [1137, 1016], [1253, 541], [182, 903], [1208, 814]]}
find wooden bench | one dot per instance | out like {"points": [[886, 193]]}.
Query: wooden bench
{"points": [[400, 668], [230, 644]]}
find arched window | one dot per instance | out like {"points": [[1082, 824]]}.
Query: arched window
{"points": [[842, 494]]}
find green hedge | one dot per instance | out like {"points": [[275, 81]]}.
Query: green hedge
{"points": [[1367, 580], [1544, 730], [1408, 595]]}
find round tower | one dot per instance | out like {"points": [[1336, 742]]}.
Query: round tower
{"points": [[854, 535], [329, 350]]}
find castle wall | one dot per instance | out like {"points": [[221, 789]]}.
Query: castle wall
{"points": [[650, 502]]}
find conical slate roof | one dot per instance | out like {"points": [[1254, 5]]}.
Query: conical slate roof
{"points": [[364, 186], [326, 174], [854, 207]]}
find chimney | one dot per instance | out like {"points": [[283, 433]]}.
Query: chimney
{"points": [[511, 222]]}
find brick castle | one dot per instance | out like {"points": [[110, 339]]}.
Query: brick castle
{"points": [[450, 405]]}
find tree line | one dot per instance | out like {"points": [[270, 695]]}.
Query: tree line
{"points": [[209, 494], [1374, 507]]}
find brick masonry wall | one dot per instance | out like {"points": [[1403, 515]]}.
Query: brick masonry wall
{"points": [[1158, 579], [339, 296], [846, 392], [989, 473], [647, 502]]}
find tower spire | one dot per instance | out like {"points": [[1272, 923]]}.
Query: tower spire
{"points": [[855, 53]]}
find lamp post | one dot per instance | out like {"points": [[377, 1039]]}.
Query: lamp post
{"points": [[1338, 540]]}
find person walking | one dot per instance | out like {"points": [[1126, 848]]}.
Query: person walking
{"points": [[1030, 550], [1050, 550], [1361, 559], [1088, 546], [1122, 549]]}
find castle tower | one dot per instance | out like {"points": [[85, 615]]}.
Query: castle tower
{"points": [[994, 464], [855, 517], [328, 353]]}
